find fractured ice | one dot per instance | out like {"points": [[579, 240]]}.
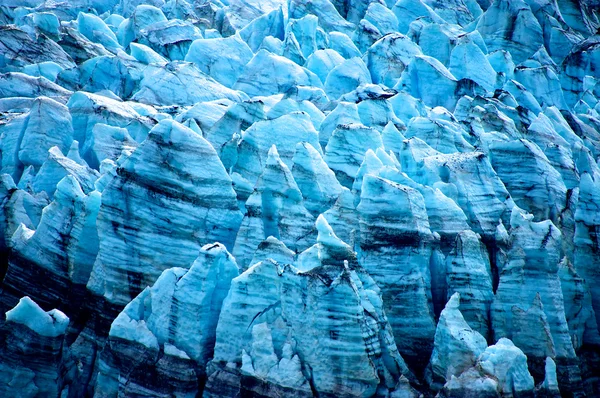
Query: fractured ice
{"points": [[303, 198]]}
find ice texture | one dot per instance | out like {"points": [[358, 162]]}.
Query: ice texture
{"points": [[303, 198], [33, 351]]}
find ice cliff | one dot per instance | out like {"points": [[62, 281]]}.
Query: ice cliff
{"points": [[303, 198]]}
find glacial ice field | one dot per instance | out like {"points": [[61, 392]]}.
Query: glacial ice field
{"points": [[299, 198]]}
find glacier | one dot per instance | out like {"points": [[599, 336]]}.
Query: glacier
{"points": [[300, 198]]}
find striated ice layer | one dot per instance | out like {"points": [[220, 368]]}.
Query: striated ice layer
{"points": [[276, 209], [395, 248], [456, 345], [33, 351], [355, 355], [177, 174], [151, 334]]}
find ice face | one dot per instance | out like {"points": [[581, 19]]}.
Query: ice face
{"points": [[33, 332], [409, 191], [275, 208], [29, 314], [456, 345], [222, 59], [162, 315], [280, 343]]}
